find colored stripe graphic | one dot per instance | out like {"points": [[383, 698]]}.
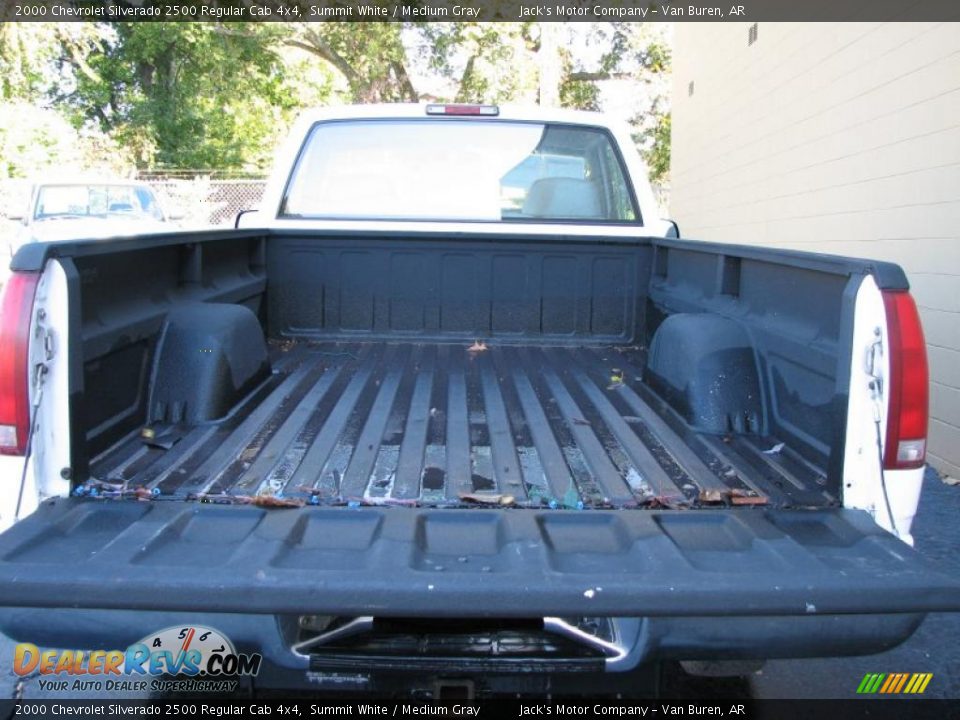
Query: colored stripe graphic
{"points": [[903, 681], [870, 683], [891, 680], [894, 683]]}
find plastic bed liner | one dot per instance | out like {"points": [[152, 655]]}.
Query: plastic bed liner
{"points": [[615, 507], [430, 562], [438, 425]]}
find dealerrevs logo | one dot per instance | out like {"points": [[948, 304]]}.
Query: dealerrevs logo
{"points": [[189, 653]]}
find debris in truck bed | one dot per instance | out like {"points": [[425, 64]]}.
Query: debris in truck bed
{"points": [[477, 347], [283, 345], [272, 501], [747, 500], [101, 489], [733, 496], [382, 502], [662, 502], [710, 497], [484, 499], [265, 501], [775, 449], [532, 422], [163, 439]]}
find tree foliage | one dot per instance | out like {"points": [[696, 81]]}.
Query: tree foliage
{"points": [[369, 57], [617, 61], [34, 136], [194, 95], [483, 62], [219, 95]]}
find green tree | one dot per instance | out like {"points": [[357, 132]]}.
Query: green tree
{"points": [[483, 62], [220, 95], [192, 95], [369, 57], [30, 54], [34, 135], [606, 62]]}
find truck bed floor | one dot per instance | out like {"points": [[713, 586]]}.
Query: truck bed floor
{"points": [[433, 424]]}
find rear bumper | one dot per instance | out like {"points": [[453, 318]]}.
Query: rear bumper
{"points": [[643, 640]]}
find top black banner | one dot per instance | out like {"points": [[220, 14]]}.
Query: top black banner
{"points": [[478, 10]]}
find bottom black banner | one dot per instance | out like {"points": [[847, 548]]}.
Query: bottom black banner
{"points": [[885, 709]]}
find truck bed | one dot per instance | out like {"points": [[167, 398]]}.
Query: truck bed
{"points": [[369, 393], [446, 424]]}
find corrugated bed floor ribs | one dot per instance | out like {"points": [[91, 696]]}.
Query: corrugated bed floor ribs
{"points": [[430, 423]]}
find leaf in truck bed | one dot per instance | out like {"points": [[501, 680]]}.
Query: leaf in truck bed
{"points": [[775, 449], [477, 347], [272, 501], [482, 499], [666, 502], [265, 501]]}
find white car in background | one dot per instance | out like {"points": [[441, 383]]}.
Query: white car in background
{"points": [[90, 209]]}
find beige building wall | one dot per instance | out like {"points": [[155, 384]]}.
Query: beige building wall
{"points": [[841, 138]]}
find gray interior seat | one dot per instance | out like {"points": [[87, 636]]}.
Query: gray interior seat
{"points": [[561, 197]]}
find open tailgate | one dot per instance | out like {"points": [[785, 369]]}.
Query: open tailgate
{"points": [[454, 562]]}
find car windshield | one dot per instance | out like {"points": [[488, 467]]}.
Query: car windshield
{"points": [[459, 170], [62, 201]]}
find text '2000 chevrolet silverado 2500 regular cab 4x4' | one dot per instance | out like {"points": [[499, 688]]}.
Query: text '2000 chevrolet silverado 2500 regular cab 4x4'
{"points": [[455, 405]]}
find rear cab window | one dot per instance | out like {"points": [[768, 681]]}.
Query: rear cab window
{"points": [[464, 170]]}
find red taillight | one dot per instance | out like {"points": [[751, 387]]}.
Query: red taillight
{"points": [[907, 388], [15, 315], [488, 110]]}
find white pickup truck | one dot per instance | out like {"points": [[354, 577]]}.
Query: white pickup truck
{"points": [[455, 406]]}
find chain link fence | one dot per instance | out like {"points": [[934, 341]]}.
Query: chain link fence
{"points": [[202, 201]]}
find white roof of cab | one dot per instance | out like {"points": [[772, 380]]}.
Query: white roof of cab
{"points": [[527, 113]]}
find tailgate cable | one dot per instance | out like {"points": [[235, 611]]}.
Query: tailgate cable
{"points": [[39, 373], [876, 391]]}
